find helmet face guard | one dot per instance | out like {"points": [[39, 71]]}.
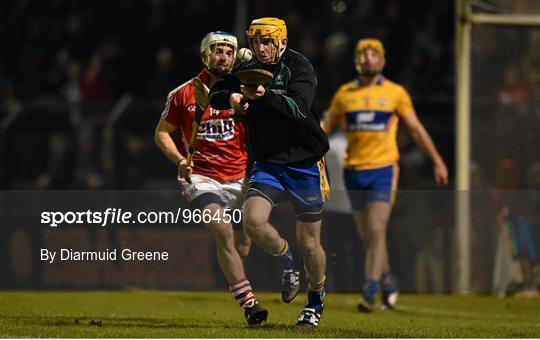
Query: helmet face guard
{"points": [[267, 28], [215, 38]]}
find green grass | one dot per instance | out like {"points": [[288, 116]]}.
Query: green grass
{"points": [[138, 314]]}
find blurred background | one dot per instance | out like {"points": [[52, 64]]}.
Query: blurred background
{"points": [[83, 84], [90, 79]]}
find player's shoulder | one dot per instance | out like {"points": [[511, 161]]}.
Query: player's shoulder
{"points": [[181, 89], [294, 58], [394, 86], [348, 86]]}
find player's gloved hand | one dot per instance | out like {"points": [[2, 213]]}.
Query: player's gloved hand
{"points": [[237, 102], [253, 93], [185, 171]]}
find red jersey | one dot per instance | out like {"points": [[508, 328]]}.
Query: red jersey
{"points": [[220, 149]]}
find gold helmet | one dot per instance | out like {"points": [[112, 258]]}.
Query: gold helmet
{"points": [[376, 44], [262, 28]]}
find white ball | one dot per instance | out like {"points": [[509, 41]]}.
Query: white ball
{"points": [[244, 55]]}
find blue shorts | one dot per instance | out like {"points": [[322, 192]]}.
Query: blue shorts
{"points": [[305, 184], [371, 185]]}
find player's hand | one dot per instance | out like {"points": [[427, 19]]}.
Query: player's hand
{"points": [[185, 171], [440, 172], [253, 93], [237, 102]]}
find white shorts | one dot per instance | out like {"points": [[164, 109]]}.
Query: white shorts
{"points": [[229, 193]]}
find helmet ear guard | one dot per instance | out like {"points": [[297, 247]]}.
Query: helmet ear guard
{"points": [[213, 38]]}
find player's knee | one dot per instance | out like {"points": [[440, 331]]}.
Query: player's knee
{"points": [[253, 222], [223, 236], [308, 245], [376, 231]]}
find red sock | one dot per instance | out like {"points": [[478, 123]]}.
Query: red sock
{"points": [[243, 293]]}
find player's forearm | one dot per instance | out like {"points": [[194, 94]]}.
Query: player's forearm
{"points": [[293, 107], [328, 123], [424, 141], [165, 143]]}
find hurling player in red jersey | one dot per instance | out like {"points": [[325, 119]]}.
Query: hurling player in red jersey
{"points": [[218, 167]]}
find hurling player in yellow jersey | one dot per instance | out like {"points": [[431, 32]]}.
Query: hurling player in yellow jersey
{"points": [[370, 106]]}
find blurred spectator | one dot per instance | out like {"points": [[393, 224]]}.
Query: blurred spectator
{"points": [[516, 93], [88, 170], [135, 165], [532, 60], [72, 92], [95, 89], [57, 75], [8, 101], [165, 75], [60, 165]]}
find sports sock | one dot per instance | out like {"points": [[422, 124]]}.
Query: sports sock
{"points": [[316, 286], [388, 282], [315, 298], [286, 257], [243, 293], [370, 290]]}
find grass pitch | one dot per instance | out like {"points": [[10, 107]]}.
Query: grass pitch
{"points": [[139, 314]]}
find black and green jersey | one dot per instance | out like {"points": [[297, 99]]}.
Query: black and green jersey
{"points": [[282, 127]]}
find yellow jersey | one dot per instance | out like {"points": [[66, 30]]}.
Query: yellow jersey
{"points": [[371, 113]]}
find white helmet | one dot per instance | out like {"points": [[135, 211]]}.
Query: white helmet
{"points": [[213, 38]]}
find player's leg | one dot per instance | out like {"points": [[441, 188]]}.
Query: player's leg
{"points": [[242, 243], [264, 192], [228, 258], [360, 185], [308, 188], [232, 267], [256, 214], [372, 224], [377, 215], [308, 235], [234, 192], [207, 194], [389, 284], [211, 196], [360, 221]]}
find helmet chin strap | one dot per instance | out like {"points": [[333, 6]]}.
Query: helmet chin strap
{"points": [[280, 51], [217, 71]]}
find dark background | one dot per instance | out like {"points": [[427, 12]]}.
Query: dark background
{"points": [[83, 84]]}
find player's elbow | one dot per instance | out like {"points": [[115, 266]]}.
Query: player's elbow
{"points": [[415, 130], [159, 137]]}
